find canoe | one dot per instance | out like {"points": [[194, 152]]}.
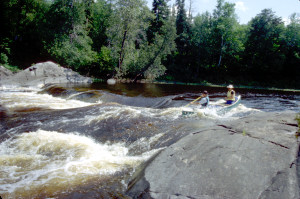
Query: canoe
{"points": [[192, 110], [188, 111], [221, 108], [226, 108]]}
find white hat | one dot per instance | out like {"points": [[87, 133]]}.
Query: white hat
{"points": [[230, 86]]}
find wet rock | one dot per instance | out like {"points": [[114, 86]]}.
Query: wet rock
{"points": [[5, 73], [3, 116], [253, 157], [44, 73]]}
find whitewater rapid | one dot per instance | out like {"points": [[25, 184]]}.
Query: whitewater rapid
{"points": [[55, 144], [35, 160]]}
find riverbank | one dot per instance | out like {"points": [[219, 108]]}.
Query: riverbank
{"points": [[5, 73], [204, 83], [225, 85]]}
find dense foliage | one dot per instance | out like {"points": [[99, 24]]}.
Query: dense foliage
{"points": [[126, 39]]}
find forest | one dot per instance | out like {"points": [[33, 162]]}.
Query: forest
{"points": [[127, 39]]}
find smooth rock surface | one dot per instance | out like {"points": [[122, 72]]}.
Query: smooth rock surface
{"points": [[4, 73], [44, 73], [253, 157]]}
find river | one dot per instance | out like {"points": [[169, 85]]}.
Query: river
{"points": [[85, 141]]}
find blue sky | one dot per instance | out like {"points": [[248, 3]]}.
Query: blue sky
{"points": [[246, 9]]}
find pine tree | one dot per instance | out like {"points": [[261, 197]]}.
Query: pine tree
{"points": [[180, 67], [161, 14], [182, 28]]}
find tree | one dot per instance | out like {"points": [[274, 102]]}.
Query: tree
{"points": [[125, 32], [291, 68], [182, 28], [264, 44], [190, 16], [68, 40], [202, 41], [180, 62], [155, 53], [21, 35], [161, 15], [161, 36], [100, 12], [132, 54], [224, 32]]}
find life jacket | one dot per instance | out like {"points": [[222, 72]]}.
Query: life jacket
{"points": [[231, 95], [207, 101]]}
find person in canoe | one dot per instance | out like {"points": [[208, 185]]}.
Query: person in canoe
{"points": [[204, 99], [230, 95]]}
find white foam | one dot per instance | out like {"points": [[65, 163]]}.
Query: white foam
{"points": [[45, 157], [17, 99], [14, 88], [120, 111]]}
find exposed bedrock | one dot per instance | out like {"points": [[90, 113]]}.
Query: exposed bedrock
{"points": [[253, 157]]}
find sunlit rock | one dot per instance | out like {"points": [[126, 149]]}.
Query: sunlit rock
{"points": [[253, 157], [111, 81], [44, 73]]}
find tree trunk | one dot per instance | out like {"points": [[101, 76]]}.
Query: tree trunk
{"points": [[121, 57], [220, 58], [190, 11]]}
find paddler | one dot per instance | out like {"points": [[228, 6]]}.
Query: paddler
{"points": [[205, 99], [230, 95]]}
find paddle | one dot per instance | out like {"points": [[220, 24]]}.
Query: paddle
{"points": [[193, 101]]}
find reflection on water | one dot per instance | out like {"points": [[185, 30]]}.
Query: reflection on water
{"points": [[85, 141], [132, 90]]}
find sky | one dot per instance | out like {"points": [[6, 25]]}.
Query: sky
{"points": [[246, 9]]}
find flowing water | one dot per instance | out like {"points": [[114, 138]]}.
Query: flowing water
{"points": [[64, 141]]}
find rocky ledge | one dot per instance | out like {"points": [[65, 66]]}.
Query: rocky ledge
{"points": [[5, 73], [41, 74], [253, 157]]}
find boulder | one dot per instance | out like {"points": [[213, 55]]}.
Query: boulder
{"points": [[45, 73], [253, 157], [111, 81], [5, 73]]}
